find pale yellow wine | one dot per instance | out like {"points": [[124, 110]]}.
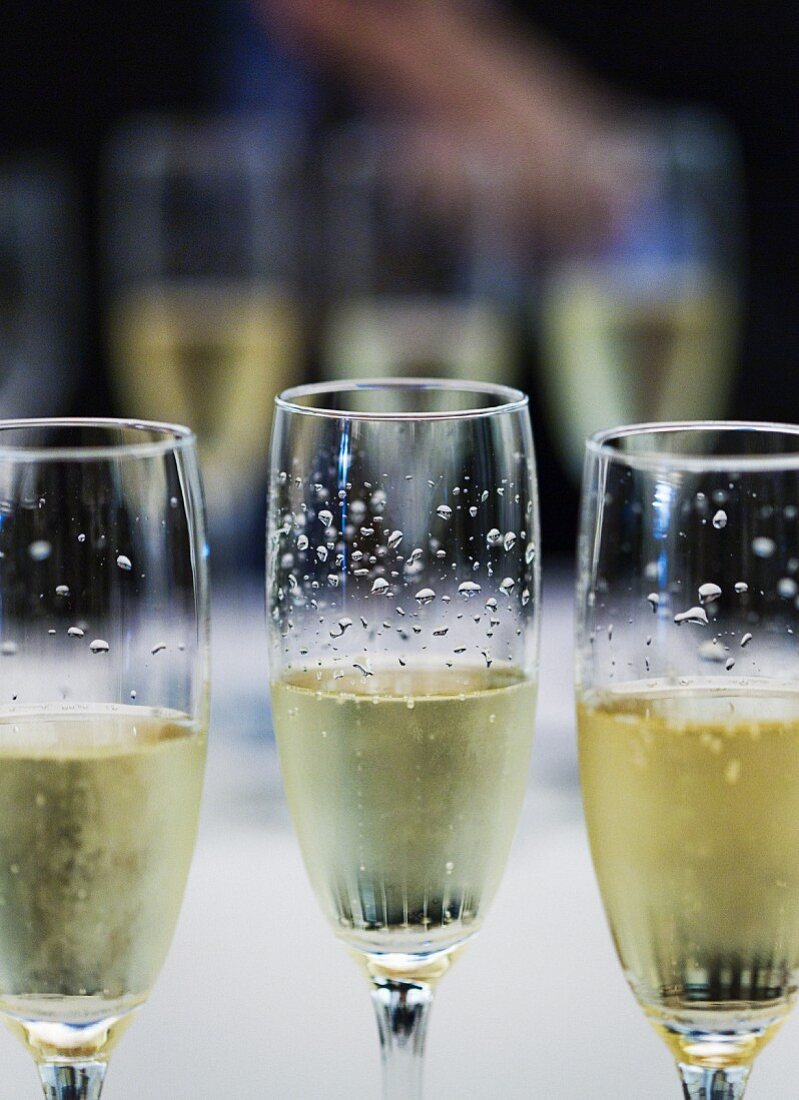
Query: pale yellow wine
{"points": [[405, 789], [691, 797], [98, 815]]}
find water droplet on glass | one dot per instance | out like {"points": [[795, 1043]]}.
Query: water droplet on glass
{"points": [[321, 553], [394, 539], [441, 554], [494, 536], [173, 502], [443, 511], [124, 562], [62, 590], [787, 588], [333, 580], [473, 511], [747, 638], [529, 554], [75, 632], [763, 547], [509, 541], [302, 542], [729, 663], [8, 649], [654, 600], [741, 587], [468, 589], [40, 550], [326, 517], [158, 648], [99, 645], [363, 670], [380, 587], [425, 595], [696, 615], [81, 537], [340, 628], [709, 592], [440, 631], [525, 597], [51, 630], [507, 585], [484, 496], [491, 603], [367, 531], [720, 519], [133, 694]]}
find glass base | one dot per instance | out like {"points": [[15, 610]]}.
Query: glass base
{"points": [[66, 1030], [717, 1036], [402, 967]]}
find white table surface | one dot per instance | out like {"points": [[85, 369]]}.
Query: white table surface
{"points": [[258, 999]]}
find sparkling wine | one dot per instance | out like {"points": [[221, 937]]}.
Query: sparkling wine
{"points": [[405, 788], [98, 815], [692, 801]]}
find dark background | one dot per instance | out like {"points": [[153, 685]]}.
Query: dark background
{"points": [[72, 72]]}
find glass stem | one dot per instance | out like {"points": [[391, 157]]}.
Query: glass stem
{"points": [[72, 1081], [701, 1083], [402, 1009]]}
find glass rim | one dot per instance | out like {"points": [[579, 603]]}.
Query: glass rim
{"points": [[509, 398], [176, 437], [599, 445]]}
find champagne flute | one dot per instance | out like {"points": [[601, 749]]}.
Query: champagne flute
{"points": [[103, 716], [402, 592], [688, 715]]}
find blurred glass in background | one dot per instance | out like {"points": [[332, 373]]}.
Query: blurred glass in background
{"points": [[40, 288], [642, 323], [201, 228], [409, 287]]}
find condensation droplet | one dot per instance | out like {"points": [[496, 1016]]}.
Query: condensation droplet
{"points": [[62, 590], [763, 547], [745, 640], [81, 537], [380, 587], [321, 553], [741, 587], [40, 550], [8, 649], [468, 589], [529, 554], [158, 648], [729, 663], [654, 600], [302, 542], [440, 631], [333, 580], [709, 592], [473, 510], [494, 536], [720, 519], [363, 670], [425, 595], [443, 511], [696, 615], [787, 588], [507, 585], [341, 626], [525, 597], [173, 502], [124, 562], [326, 517], [509, 541], [75, 632], [99, 645], [394, 539], [133, 694]]}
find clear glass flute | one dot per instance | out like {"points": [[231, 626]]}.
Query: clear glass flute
{"points": [[402, 593], [103, 716], [688, 714]]}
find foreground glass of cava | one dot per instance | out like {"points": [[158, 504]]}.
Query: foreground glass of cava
{"points": [[688, 712], [402, 594], [103, 714]]}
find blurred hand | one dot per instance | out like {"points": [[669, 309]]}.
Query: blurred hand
{"points": [[475, 90]]}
